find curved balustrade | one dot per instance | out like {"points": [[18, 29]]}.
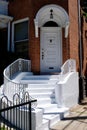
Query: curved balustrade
{"points": [[21, 65], [68, 66], [11, 87]]}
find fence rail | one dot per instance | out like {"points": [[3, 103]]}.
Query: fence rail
{"points": [[16, 115]]}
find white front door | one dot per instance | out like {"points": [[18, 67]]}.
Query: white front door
{"points": [[51, 49]]}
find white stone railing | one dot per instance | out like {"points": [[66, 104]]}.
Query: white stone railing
{"points": [[68, 66], [20, 65], [11, 87], [66, 89]]}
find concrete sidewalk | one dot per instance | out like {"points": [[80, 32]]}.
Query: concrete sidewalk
{"points": [[77, 120]]}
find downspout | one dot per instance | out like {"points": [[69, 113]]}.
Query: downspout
{"points": [[81, 93]]}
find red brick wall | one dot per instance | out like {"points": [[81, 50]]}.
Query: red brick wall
{"points": [[84, 43], [28, 8], [73, 30]]}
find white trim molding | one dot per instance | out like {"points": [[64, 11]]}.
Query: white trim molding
{"points": [[5, 23], [36, 28], [20, 20], [4, 20], [60, 16]]}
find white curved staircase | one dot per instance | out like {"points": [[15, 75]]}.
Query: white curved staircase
{"points": [[42, 88], [55, 94]]}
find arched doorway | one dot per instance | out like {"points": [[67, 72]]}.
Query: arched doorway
{"points": [[51, 19]]}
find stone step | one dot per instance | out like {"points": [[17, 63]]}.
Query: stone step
{"points": [[38, 81], [44, 101], [53, 109], [63, 111], [39, 90], [38, 77], [20, 75], [34, 77], [47, 107], [52, 119], [50, 85], [41, 95]]}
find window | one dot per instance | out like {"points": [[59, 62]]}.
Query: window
{"points": [[21, 38], [50, 24], [21, 31]]}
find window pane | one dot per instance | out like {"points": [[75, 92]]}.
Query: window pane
{"points": [[21, 48], [21, 31]]}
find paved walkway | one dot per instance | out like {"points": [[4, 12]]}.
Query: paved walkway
{"points": [[77, 120]]}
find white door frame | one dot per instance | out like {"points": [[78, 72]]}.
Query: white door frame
{"points": [[42, 31]]}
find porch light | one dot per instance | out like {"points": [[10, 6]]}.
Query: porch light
{"points": [[51, 14]]}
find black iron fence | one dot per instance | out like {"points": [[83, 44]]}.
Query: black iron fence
{"points": [[16, 114]]}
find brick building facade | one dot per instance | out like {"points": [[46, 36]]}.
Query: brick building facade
{"points": [[26, 38], [28, 10]]}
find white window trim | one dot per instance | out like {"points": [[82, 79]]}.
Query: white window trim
{"points": [[13, 24]]}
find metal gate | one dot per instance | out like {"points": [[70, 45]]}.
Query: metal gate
{"points": [[16, 115]]}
